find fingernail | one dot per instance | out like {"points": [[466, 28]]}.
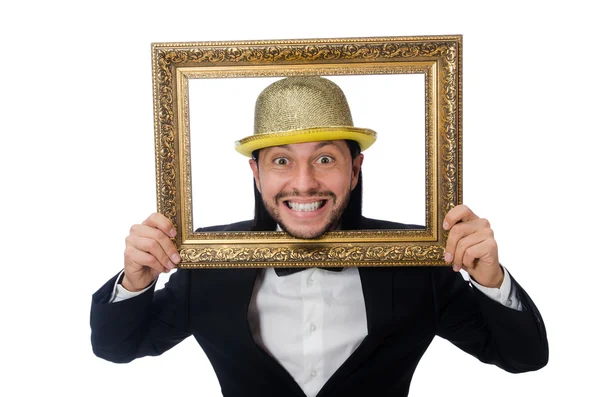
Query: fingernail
{"points": [[175, 258], [448, 257], [170, 265], [455, 268], [173, 233], [445, 225]]}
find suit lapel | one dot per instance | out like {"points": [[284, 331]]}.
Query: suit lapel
{"points": [[279, 373], [233, 289], [378, 291], [377, 285]]}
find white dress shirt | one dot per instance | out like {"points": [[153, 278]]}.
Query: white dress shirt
{"points": [[310, 321]]}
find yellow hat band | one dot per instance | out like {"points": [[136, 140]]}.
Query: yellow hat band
{"points": [[364, 137]]}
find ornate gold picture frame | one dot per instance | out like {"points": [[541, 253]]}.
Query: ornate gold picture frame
{"points": [[436, 58]]}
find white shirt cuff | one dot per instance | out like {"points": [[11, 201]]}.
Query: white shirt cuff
{"points": [[505, 295], [120, 293]]}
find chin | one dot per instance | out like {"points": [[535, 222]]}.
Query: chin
{"points": [[305, 233]]}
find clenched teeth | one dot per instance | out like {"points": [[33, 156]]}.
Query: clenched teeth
{"points": [[305, 207]]}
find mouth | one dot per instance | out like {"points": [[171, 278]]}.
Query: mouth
{"points": [[305, 207]]}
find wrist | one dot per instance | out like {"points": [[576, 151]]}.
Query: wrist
{"points": [[125, 283], [493, 281]]}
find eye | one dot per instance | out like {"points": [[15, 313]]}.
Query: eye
{"points": [[325, 160], [281, 161]]}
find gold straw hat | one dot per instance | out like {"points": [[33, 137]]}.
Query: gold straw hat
{"points": [[302, 109]]}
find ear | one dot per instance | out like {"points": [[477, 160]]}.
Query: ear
{"points": [[254, 167], [356, 164]]}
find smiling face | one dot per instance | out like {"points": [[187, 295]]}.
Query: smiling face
{"points": [[306, 186]]}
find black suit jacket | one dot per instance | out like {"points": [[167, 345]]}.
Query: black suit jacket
{"points": [[406, 307]]}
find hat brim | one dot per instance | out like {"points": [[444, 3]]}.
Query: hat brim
{"points": [[364, 137]]}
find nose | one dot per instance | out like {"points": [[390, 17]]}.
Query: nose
{"points": [[305, 181]]}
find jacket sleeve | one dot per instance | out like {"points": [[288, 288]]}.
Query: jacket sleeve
{"points": [[513, 340], [146, 325]]}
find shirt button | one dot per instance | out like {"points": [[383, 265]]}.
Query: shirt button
{"points": [[313, 328], [310, 282], [313, 373], [509, 302]]}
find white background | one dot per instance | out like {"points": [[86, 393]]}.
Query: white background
{"points": [[77, 169], [222, 112]]}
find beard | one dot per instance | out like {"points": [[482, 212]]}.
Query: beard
{"points": [[338, 207]]}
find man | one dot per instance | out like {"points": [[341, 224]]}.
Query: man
{"points": [[281, 332]]}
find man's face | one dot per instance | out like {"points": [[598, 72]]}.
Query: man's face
{"points": [[306, 186]]}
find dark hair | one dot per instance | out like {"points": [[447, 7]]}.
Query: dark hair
{"points": [[350, 218]]}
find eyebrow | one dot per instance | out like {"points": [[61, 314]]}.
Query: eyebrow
{"points": [[324, 143], [319, 145]]}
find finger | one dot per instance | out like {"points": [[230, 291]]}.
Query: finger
{"points": [[154, 242], [143, 260], [477, 254], [161, 238], [162, 223], [463, 256], [460, 213], [459, 231]]}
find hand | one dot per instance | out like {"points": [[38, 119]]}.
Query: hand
{"points": [[149, 251], [471, 245]]}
